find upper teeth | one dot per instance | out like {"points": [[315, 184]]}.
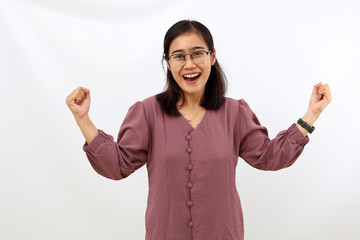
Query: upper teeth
{"points": [[192, 75]]}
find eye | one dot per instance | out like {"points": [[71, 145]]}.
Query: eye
{"points": [[178, 56], [198, 53]]}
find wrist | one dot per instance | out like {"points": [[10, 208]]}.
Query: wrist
{"points": [[310, 117], [82, 120]]}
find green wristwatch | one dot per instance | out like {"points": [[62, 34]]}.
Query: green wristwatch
{"points": [[305, 125]]}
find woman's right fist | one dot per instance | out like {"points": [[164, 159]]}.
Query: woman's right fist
{"points": [[79, 102]]}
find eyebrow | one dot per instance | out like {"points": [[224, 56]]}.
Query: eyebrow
{"points": [[181, 50]]}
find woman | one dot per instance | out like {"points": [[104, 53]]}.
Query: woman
{"points": [[190, 136]]}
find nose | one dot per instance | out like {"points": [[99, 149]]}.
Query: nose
{"points": [[189, 62]]}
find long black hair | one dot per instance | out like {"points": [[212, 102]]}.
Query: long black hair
{"points": [[216, 85]]}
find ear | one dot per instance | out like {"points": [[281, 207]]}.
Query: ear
{"points": [[168, 65], [213, 57]]}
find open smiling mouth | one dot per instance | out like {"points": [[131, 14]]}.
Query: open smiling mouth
{"points": [[191, 77]]}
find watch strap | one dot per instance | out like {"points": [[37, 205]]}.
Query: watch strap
{"points": [[305, 125]]}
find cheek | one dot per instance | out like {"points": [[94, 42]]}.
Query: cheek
{"points": [[176, 77], [207, 70]]}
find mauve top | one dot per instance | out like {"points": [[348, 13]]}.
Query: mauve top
{"points": [[191, 172]]}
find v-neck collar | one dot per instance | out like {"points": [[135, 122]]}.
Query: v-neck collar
{"points": [[200, 123]]}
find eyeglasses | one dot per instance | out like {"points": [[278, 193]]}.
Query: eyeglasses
{"points": [[198, 57]]}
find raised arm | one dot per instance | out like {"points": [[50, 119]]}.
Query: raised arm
{"points": [[114, 160], [79, 103], [320, 98], [117, 160], [258, 150]]}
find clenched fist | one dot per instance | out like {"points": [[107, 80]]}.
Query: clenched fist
{"points": [[320, 98], [79, 102]]}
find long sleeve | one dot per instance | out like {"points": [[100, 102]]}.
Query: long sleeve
{"points": [[258, 150], [117, 160]]}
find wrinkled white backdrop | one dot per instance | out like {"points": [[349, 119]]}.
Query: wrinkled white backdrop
{"points": [[273, 52]]}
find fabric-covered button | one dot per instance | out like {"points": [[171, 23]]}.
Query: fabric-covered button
{"points": [[190, 167], [190, 185], [190, 204], [189, 150], [191, 224], [188, 137]]}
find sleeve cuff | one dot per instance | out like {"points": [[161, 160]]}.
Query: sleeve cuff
{"points": [[99, 139], [297, 136]]}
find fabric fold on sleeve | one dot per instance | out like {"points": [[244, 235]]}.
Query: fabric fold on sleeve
{"points": [[258, 150], [117, 160]]}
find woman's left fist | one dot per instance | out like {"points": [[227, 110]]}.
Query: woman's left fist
{"points": [[320, 98]]}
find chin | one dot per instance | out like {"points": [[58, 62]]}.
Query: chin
{"points": [[197, 90]]}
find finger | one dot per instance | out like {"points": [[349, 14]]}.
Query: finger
{"points": [[315, 89], [323, 94], [77, 99], [82, 93], [321, 90], [85, 89], [328, 93], [72, 97], [324, 87], [74, 92], [78, 95], [86, 93]]}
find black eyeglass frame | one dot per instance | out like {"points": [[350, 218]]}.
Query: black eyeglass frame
{"points": [[191, 54]]}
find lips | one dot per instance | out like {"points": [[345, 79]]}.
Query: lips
{"points": [[191, 76]]}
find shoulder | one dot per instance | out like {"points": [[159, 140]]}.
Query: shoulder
{"points": [[237, 107], [149, 101], [150, 107], [233, 103], [142, 107]]}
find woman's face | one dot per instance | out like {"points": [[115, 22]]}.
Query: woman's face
{"points": [[192, 75]]}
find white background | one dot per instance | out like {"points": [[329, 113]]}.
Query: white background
{"points": [[273, 52]]}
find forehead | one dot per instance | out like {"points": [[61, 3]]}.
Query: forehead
{"points": [[186, 41]]}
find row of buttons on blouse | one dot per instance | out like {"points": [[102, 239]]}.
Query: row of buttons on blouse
{"points": [[190, 185]]}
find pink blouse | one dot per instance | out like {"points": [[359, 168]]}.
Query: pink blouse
{"points": [[191, 172]]}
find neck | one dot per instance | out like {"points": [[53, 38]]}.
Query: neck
{"points": [[192, 100]]}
